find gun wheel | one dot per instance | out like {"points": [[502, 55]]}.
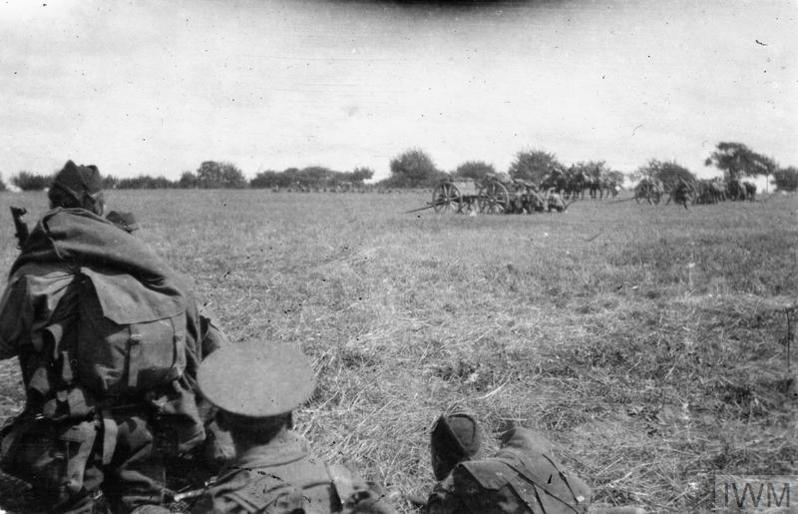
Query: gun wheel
{"points": [[446, 198]]}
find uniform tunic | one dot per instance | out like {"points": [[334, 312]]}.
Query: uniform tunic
{"points": [[282, 477]]}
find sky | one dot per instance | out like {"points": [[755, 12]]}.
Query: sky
{"points": [[146, 87]]}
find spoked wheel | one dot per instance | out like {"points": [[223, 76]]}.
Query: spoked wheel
{"points": [[494, 198], [445, 198], [656, 197]]}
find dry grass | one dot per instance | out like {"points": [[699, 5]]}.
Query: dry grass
{"points": [[643, 340]]}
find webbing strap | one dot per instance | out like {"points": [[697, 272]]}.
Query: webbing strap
{"points": [[537, 482], [564, 477], [110, 430]]}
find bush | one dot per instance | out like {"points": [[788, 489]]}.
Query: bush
{"points": [[413, 168], [786, 179], [534, 166], [145, 182], [217, 175], [28, 181], [188, 180]]}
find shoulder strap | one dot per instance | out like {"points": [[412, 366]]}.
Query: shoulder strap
{"points": [[528, 476]]}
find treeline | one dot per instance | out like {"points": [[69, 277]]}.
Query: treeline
{"points": [[217, 175], [415, 169]]}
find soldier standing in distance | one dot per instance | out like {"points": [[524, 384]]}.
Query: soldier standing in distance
{"points": [[108, 339], [256, 387]]}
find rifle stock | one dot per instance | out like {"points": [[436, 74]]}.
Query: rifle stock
{"points": [[22, 232]]}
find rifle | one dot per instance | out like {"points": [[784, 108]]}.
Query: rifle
{"points": [[22, 228]]}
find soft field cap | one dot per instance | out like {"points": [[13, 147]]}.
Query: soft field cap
{"points": [[78, 180], [456, 433], [256, 380]]}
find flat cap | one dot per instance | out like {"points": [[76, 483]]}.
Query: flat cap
{"points": [[256, 380]]}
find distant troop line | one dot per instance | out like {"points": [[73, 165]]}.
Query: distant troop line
{"points": [[699, 191]]}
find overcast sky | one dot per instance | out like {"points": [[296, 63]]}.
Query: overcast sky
{"points": [[158, 87]]}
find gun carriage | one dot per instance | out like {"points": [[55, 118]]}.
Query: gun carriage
{"points": [[649, 190], [492, 194], [486, 196]]}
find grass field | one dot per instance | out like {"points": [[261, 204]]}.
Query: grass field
{"points": [[646, 342]]}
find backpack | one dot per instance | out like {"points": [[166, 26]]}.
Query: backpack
{"points": [[521, 478], [130, 339]]}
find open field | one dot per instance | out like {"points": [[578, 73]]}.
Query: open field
{"points": [[644, 341]]}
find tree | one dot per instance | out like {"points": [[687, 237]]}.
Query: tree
{"points": [[270, 179], [534, 166], [736, 160], [476, 170], [316, 176], [110, 182], [215, 175], [786, 179], [145, 182], [28, 181], [361, 174], [188, 180], [668, 172], [413, 168]]}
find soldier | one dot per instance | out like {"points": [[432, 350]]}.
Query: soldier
{"points": [[256, 387], [681, 193], [554, 201], [107, 336], [217, 450], [522, 477]]}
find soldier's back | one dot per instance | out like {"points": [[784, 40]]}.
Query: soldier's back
{"points": [[283, 478]]}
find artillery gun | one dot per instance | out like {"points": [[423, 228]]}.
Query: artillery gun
{"points": [[492, 194]]}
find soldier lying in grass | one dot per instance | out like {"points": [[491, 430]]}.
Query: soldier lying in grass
{"points": [[522, 477], [256, 388]]}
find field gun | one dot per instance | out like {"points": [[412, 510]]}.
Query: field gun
{"points": [[467, 196], [492, 194]]}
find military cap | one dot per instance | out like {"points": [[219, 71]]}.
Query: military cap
{"points": [[78, 180], [124, 220], [256, 380], [456, 433]]}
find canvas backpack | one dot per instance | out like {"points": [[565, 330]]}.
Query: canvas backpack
{"points": [[130, 339], [523, 477]]}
